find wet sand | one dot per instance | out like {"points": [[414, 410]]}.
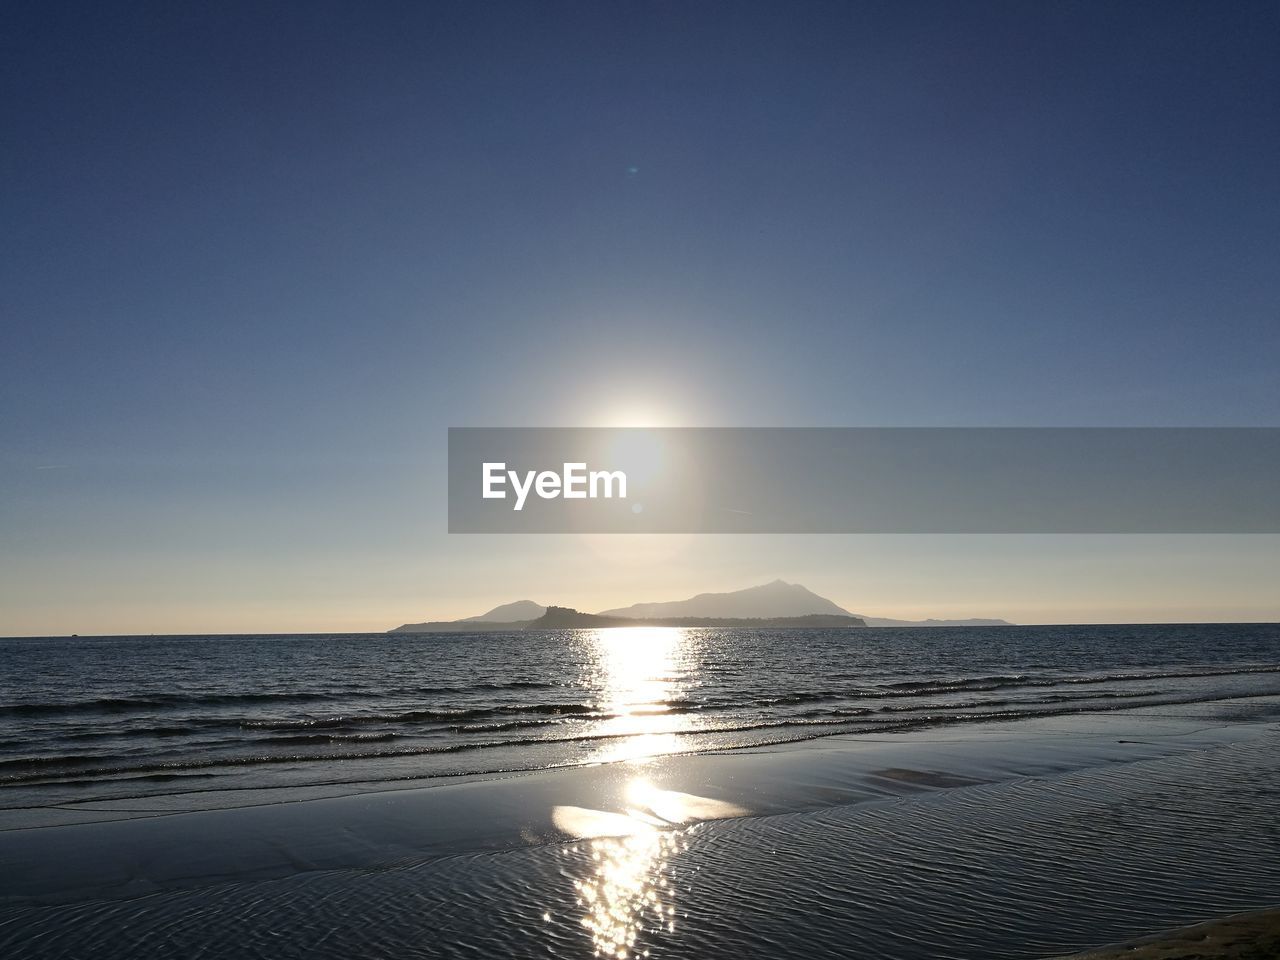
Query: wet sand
{"points": [[1019, 839], [1245, 936]]}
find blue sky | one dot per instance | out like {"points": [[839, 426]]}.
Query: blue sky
{"points": [[258, 257]]}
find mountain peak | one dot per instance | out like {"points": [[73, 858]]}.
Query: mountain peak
{"points": [[510, 613], [778, 598]]}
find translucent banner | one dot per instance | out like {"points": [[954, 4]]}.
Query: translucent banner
{"points": [[864, 480]]}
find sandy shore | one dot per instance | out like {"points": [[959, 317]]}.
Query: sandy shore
{"points": [[149, 845], [1004, 841], [1245, 936]]}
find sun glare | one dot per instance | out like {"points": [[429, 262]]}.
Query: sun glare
{"points": [[639, 674], [637, 414], [627, 891], [639, 453]]}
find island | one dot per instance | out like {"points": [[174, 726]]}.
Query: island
{"points": [[566, 618], [774, 604]]}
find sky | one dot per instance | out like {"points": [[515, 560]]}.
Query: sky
{"points": [[258, 257]]}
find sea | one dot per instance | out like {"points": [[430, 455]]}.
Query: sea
{"points": [[1003, 793], [86, 719]]}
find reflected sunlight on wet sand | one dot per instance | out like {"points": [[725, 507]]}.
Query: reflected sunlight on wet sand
{"points": [[627, 891]]}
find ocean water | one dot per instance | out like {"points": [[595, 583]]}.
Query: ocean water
{"points": [[86, 719], [1014, 792]]}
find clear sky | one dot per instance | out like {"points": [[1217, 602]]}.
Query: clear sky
{"points": [[257, 257]]}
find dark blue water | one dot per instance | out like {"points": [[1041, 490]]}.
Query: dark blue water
{"points": [[91, 718], [1162, 818]]}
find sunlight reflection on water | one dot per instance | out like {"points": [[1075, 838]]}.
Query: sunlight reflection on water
{"points": [[640, 671], [628, 890]]}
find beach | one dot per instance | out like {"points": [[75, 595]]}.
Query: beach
{"points": [[1245, 936], [640, 481], [1034, 837]]}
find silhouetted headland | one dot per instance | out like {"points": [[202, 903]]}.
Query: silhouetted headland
{"points": [[563, 618], [774, 604]]}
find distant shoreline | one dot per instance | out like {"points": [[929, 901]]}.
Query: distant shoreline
{"points": [[463, 626], [774, 604], [561, 618]]}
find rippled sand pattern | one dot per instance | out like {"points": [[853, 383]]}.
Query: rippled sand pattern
{"points": [[1028, 868]]}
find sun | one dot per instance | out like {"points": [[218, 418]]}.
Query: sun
{"points": [[635, 413]]}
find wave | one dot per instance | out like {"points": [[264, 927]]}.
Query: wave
{"points": [[998, 681], [57, 770], [462, 714], [225, 732], [329, 738], [153, 701], [160, 701], [445, 715]]}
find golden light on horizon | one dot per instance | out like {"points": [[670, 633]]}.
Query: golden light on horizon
{"points": [[641, 550]]}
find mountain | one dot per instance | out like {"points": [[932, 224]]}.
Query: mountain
{"points": [[461, 626], [566, 618], [776, 599], [766, 605], [510, 612], [508, 616]]}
